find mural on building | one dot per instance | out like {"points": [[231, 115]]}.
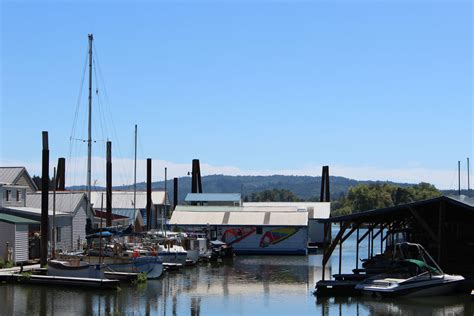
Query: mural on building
{"points": [[275, 236], [234, 235]]}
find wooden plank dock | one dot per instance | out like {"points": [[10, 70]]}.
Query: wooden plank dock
{"points": [[60, 280]]}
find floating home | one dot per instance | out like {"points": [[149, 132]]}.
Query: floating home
{"points": [[15, 230], [253, 228], [72, 212], [442, 225], [123, 206]]}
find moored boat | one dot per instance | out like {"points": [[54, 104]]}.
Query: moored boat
{"points": [[75, 268], [415, 273]]}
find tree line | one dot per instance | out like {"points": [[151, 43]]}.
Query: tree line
{"points": [[361, 197]]}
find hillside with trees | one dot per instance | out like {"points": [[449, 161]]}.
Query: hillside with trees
{"points": [[371, 196]]}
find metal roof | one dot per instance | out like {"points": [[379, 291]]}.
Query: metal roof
{"points": [[315, 210], [9, 175], [213, 197], [16, 219], [66, 201], [465, 203], [204, 218], [124, 199]]}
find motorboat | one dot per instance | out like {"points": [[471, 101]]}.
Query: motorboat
{"points": [[172, 254], [414, 273]]}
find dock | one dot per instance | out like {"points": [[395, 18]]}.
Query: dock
{"points": [[336, 288], [121, 276], [172, 266], [59, 280]]}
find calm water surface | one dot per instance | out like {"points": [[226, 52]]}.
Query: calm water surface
{"points": [[248, 285]]}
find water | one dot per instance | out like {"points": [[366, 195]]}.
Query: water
{"points": [[248, 285]]}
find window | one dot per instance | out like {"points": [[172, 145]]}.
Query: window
{"points": [[58, 234], [18, 195], [8, 194], [259, 230]]}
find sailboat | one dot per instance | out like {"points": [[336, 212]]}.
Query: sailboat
{"points": [[152, 266]]}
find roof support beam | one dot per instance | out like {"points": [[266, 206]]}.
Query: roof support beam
{"points": [[423, 223], [334, 243]]}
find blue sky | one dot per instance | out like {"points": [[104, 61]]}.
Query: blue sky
{"points": [[376, 89]]}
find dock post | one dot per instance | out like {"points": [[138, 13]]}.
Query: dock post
{"points": [[148, 193], [108, 176], [44, 201], [381, 238], [357, 249], [175, 192], [340, 250], [368, 243]]}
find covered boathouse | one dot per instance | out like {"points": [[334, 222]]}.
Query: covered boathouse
{"points": [[444, 226], [253, 228]]}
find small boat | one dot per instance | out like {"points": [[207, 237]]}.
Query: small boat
{"points": [[151, 266], [171, 253], [414, 273], [75, 268]]}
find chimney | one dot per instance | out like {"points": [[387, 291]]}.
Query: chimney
{"points": [[325, 196], [148, 193], [108, 184], [61, 175], [44, 201]]}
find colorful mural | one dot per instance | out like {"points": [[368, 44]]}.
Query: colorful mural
{"points": [[275, 236], [234, 235]]}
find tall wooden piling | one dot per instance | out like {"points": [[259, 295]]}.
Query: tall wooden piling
{"points": [[148, 194], [44, 201], [175, 192], [60, 184], [108, 184]]}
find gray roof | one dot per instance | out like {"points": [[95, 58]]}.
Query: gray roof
{"points": [[124, 199], [8, 175], [66, 201], [213, 197], [16, 219]]}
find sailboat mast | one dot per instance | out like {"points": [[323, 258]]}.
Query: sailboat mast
{"points": [[135, 175], [89, 130]]}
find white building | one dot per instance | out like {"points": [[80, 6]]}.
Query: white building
{"points": [[123, 205], [17, 176], [14, 230], [72, 211], [257, 227]]}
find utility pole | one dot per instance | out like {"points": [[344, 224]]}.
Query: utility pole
{"points": [[459, 177], [468, 183], [89, 130]]}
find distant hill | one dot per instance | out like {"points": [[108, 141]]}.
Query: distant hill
{"points": [[305, 187]]}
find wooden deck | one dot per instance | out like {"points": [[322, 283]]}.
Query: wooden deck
{"points": [[62, 281]]}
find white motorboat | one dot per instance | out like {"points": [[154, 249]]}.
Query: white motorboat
{"points": [[416, 274], [172, 254]]}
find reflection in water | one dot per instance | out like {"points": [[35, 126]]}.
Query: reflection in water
{"points": [[276, 285]]}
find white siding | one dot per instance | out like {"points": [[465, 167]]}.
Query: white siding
{"points": [[21, 243], [24, 181], [7, 234], [79, 228], [65, 244]]}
